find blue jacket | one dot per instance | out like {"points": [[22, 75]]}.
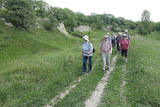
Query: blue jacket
{"points": [[87, 47]]}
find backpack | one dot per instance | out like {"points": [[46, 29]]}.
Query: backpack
{"points": [[94, 50]]}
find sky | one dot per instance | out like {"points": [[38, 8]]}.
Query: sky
{"points": [[129, 9]]}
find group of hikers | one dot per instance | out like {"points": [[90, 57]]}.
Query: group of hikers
{"points": [[122, 41]]}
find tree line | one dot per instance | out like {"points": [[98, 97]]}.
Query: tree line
{"points": [[24, 13]]}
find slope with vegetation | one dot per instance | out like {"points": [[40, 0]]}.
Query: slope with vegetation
{"points": [[36, 64]]}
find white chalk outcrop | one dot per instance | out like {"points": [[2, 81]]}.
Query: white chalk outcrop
{"points": [[62, 29], [82, 28]]}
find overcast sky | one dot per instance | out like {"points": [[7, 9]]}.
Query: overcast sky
{"points": [[129, 9]]}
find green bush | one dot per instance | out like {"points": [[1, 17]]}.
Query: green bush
{"points": [[2, 12], [20, 13]]}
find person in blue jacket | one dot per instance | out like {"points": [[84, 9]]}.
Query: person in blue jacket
{"points": [[87, 53]]}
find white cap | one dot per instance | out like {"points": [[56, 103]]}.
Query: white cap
{"points": [[124, 35], [86, 38], [126, 30]]}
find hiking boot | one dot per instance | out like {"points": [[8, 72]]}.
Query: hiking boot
{"points": [[89, 71], [108, 68]]}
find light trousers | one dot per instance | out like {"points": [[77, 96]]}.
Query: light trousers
{"points": [[106, 57]]}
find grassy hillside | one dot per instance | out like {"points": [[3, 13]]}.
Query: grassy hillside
{"points": [[36, 66], [143, 72]]}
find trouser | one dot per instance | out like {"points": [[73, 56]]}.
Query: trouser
{"points": [[118, 47], [85, 58], [124, 53], [113, 43], [105, 57]]}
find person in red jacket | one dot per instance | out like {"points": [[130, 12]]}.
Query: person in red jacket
{"points": [[124, 46]]}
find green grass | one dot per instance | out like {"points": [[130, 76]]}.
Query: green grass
{"points": [[112, 96], [36, 66], [143, 88], [142, 76], [84, 89]]}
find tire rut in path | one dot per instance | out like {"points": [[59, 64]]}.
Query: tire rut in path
{"points": [[124, 68], [63, 94], [95, 98]]}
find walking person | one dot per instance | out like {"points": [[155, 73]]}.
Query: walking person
{"points": [[124, 46], [128, 35], [87, 53], [105, 52], [113, 40], [118, 39], [110, 38]]}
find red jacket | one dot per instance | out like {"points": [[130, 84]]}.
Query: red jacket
{"points": [[124, 44]]}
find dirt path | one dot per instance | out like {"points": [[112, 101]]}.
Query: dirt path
{"points": [[63, 94], [95, 98], [123, 84]]}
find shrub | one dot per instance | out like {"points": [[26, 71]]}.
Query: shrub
{"points": [[2, 12], [20, 13]]}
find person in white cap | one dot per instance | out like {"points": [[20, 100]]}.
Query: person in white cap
{"points": [[128, 35], [87, 53], [124, 46], [118, 39], [105, 52]]}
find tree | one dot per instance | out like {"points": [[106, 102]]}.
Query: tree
{"points": [[157, 27], [20, 13], [40, 7], [52, 22], [145, 16], [145, 26]]}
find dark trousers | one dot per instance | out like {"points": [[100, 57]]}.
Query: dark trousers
{"points": [[118, 47], [85, 58], [124, 53], [113, 43]]}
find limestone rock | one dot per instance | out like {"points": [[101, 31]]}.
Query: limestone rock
{"points": [[62, 29]]}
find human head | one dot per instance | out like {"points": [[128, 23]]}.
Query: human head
{"points": [[106, 37], [86, 38], [124, 36]]}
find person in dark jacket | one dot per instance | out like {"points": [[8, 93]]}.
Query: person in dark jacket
{"points": [[118, 39]]}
